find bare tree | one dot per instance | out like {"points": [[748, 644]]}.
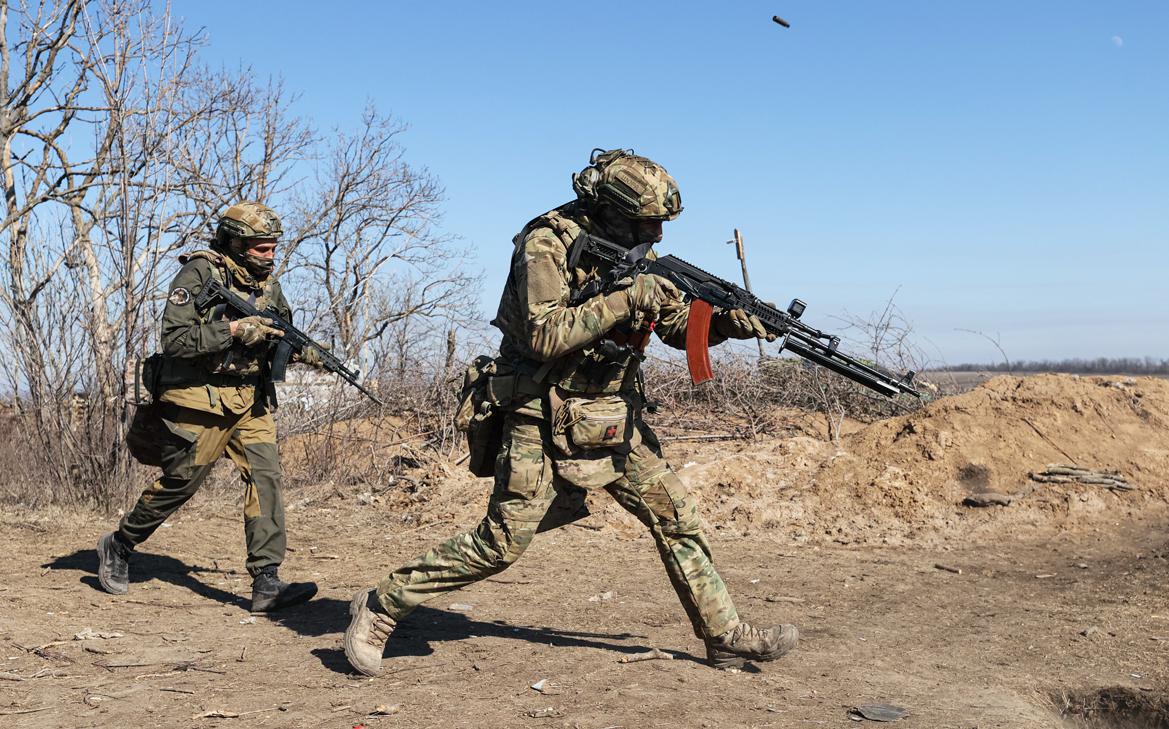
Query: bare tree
{"points": [[374, 264], [116, 149]]}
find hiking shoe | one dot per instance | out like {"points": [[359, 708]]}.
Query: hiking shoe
{"points": [[269, 592], [113, 564], [746, 643], [368, 631]]}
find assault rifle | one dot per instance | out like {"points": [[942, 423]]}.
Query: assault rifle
{"points": [[706, 291], [293, 339]]}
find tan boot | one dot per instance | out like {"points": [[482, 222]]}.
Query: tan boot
{"points": [[746, 643], [368, 631]]}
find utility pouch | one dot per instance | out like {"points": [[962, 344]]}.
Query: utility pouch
{"points": [[479, 413], [144, 437], [594, 422], [147, 378]]}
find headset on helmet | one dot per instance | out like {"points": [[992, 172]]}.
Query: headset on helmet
{"points": [[635, 186]]}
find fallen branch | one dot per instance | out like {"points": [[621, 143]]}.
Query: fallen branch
{"points": [[24, 711], [724, 436], [650, 655], [1050, 442], [1057, 473]]}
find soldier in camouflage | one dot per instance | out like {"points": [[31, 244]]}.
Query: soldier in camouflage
{"points": [[573, 418], [212, 400]]}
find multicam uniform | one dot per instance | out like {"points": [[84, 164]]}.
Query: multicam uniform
{"points": [[568, 382], [552, 346], [213, 402]]}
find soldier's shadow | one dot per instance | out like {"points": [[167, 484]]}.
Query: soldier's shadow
{"points": [[145, 567], [425, 626]]}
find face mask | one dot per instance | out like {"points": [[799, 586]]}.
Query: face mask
{"points": [[258, 266], [617, 227]]}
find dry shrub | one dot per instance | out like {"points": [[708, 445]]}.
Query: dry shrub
{"points": [[751, 393], [344, 439]]}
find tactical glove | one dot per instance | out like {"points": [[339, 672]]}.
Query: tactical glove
{"points": [[311, 356], [649, 291], [738, 324], [252, 330]]}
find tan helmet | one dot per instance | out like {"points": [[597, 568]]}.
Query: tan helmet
{"points": [[635, 186], [247, 219]]}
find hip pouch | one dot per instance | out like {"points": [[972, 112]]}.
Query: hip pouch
{"points": [[147, 434], [593, 422], [144, 438], [479, 414], [144, 384]]}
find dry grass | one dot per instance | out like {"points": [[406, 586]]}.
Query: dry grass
{"points": [[338, 440]]}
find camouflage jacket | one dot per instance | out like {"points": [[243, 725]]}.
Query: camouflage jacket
{"points": [[540, 330], [203, 367]]}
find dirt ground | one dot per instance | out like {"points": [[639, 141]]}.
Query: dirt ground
{"points": [[1049, 612]]}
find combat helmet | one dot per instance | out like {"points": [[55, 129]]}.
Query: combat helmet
{"points": [[245, 220], [634, 186]]}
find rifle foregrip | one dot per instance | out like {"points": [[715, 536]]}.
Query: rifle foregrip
{"points": [[698, 341]]}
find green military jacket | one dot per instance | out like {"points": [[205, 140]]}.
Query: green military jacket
{"points": [[541, 331], [204, 368]]}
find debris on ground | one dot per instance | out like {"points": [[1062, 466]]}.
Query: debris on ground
{"points": [[651, 655], [89, 634], [548, 713], [877, 712], [1058, 473], [988, 498]]}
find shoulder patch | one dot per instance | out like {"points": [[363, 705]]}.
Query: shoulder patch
{"points": [[179, 297]]}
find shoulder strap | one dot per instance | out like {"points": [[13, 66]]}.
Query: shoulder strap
{"points": [[566, 228], [218, 265]]}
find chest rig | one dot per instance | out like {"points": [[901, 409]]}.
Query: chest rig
{"points": [[237, 360], [606, 367]]}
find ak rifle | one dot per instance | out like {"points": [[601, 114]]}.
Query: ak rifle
{"points": [[706, 291], [292, 340]]}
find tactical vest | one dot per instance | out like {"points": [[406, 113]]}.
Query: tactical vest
{"points": [[586, 371], [237, 361]]}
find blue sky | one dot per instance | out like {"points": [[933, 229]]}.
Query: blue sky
{"points": [[1002, 166]]}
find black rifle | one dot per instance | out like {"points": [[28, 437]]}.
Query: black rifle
{"points": [[706, 291], [292, 341]]}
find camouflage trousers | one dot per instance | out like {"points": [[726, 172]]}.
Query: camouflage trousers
{"points": [[525, 488], [196, 440]]}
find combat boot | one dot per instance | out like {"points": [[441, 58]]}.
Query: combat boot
{"points": [[746, 643], [368, 631], [269, 592], [113, 564]]}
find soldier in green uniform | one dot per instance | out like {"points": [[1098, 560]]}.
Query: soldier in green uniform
{"points": [[213, 400], [573, 402]]}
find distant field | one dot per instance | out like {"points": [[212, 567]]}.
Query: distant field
{"points": [[963, 381]]}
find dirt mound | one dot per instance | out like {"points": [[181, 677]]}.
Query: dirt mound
{"points": [[894, 481], [904, 478]]}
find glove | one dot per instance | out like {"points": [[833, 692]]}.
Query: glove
{"points": [[252, 330], [738, 324], [649, 291], [311, 356]]}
